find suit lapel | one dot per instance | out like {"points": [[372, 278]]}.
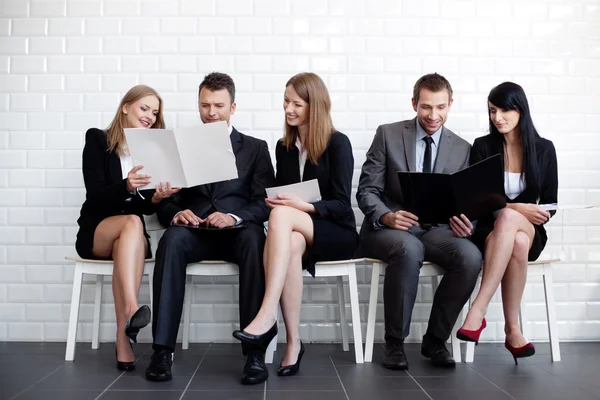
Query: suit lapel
{"points": [[444, 151], [410, 144]]}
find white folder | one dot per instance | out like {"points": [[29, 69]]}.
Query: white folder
{"points": [[185, 157], [307, 191]]}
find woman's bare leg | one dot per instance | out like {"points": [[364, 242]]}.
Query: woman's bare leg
{"points": [[513, 285], [499, 250], [283, 221]]}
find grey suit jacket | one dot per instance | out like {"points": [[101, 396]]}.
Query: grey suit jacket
{"points": [[394, 149]]}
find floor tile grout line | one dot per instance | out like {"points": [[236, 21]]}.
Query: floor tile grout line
{"points": [[419, 385], [339, 377], [485, 377], [195, 371], [118, 377], [39, 381], [562, 379]]}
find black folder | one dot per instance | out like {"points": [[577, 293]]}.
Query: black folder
{"points": [[206, 227], [476, 191]]}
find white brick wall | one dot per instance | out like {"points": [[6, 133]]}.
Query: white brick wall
{"points": [[65, 63]]}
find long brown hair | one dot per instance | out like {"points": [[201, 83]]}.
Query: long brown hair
{"points": [[115, 133], [311, 88]]}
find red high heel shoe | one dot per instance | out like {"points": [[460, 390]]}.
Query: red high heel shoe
{"points": [[471, 336], [520, 352]]}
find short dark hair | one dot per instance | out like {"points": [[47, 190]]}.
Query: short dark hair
{"points": [[218, 81], [434, 82]]}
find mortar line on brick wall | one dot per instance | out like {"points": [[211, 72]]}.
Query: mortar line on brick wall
{"points": [[339, 378], [195, 371], [39, 381]]}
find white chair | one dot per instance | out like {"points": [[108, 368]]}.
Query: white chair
{"points": [[541, 268], [427, 270], [100, 269], [337, 269]]}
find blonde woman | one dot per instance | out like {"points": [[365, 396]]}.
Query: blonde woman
{"points": [[111, 225], [301, 233]]}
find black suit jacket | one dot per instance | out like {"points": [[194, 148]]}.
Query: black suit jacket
{"points": [[333, 171], [488, 146], [244, 196], [106, 190]]}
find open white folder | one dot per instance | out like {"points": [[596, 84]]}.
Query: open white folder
{"points": [[185, 157], [307, 191]]}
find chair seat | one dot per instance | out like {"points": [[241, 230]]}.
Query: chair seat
{"points": [[92, 261]]}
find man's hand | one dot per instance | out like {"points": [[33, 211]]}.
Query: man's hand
{"points": [[220, 220], [402, 220], [461, 226], [534, 213], [187, 217], [290, 201]]}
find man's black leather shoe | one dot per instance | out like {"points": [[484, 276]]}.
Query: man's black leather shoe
{"points": [[436, 350], [255, 370], [159, 369], [394, 356]]}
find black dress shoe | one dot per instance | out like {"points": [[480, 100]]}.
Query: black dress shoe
{"points": [[124, 365], [260, 341], [255, 370], [139, 320], [289, 370], [159, 369], [436, 350], [394, 356]]}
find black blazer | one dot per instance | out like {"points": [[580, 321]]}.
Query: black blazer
{"points": [[106, 190], [333, 171], [488, 146], [244, 196]]}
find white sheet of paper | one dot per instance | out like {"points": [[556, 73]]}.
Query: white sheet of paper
{"points": [[206, 153], [156, 150], [185, 157], [307, 191], [553, 207]]}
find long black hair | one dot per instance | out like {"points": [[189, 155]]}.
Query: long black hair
{"points": [[510, 96]]}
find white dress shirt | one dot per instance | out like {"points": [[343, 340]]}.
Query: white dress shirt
{"points": [[421, 145], [302, 154]]}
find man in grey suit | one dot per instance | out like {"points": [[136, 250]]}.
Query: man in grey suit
{"points": [[395, 236]]}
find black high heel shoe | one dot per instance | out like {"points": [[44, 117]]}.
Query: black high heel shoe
{"points": [[289, 370], [124, 365], [261, 341], [139, 320]]}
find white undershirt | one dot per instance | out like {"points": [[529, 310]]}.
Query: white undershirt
{"points": [[302, 154], [513, 184]]}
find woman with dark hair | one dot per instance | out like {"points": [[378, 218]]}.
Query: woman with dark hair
{"points": [[514, 235], [301, 233], [111, 225]]}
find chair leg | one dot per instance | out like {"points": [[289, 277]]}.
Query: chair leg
{"points": [[97, 311], [273, 345], [454, 340], [470, 352], [187, 311], [356, 323], [74, 312], [150, 285], [342, 307], [551, 312], [372, 314]]}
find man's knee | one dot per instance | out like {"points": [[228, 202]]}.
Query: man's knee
{"points": [[407, 252], [468, 259], [174, 236]]}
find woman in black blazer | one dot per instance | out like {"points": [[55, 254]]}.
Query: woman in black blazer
{"points": [[111, 225], [301, 233], [516, 234]]}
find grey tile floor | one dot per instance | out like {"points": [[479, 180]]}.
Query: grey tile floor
{"points": [[31, 371]]}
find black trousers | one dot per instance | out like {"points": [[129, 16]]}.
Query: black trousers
{"points": [[180, 246], [405, 251]]}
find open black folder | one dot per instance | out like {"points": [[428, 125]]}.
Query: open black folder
{"points": [[476, 191]]}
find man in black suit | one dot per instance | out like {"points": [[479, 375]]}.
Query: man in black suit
{"points": [[219, 205]]}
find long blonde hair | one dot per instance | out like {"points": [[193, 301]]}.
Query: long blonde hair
{"points": [[115, 133], [311, 88]]}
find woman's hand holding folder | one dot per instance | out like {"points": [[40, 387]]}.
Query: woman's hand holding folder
{"points": [[534, 213]]}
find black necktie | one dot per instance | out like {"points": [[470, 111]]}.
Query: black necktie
{"points": [[427, 158]]}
